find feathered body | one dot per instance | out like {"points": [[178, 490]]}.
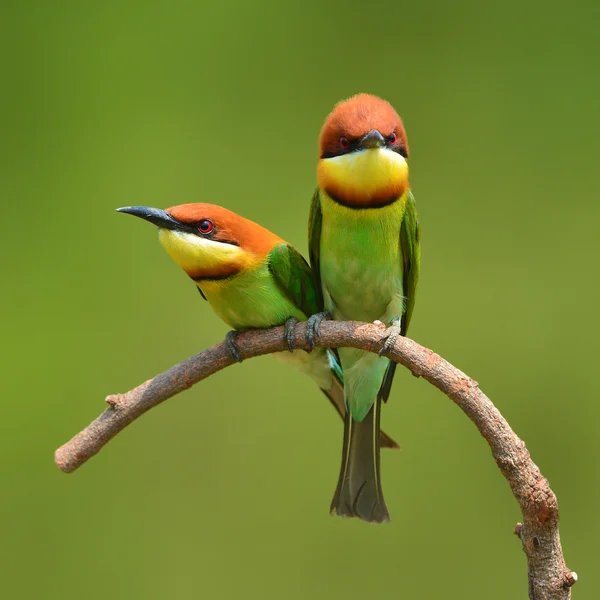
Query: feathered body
{"points": [[360, 285], [364, 242], [250, 277]]}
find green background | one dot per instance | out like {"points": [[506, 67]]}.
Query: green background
{"points": [[224, 491]]}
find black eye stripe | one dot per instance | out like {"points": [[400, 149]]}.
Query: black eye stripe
{"points": [[340, 151], [396, 146], [214, 234]]}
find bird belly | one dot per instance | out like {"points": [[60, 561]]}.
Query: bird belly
{"points": [[361, 273], [361, 266], [250, 300], [315, 364], [253, 301], [358, 292]]}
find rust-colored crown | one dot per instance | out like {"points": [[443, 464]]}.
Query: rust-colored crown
{"points": [[356, 116]]}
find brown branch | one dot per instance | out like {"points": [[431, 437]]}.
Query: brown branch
{"points": [[549, 578]]}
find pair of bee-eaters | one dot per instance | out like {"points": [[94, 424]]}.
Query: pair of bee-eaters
{"points": [[364, 254]]}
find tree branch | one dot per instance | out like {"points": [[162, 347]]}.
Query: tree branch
{"points": [[549, 578]]}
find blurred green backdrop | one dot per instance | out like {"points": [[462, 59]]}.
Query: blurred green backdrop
{"points": [[115, 103]]}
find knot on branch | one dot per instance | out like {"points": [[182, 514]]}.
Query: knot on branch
{"points": [[538, 502], [113, 400], [570, 579]]}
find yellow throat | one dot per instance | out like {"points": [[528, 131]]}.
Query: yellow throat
{"points": [[363, 178]]}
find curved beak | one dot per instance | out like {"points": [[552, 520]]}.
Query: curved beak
{"points": [[373, 139], [159, 217]]}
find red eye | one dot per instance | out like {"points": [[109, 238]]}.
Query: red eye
{"points": [[205, 226], [344, 143], [393, 138]]}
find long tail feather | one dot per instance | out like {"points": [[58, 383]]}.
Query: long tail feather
{"points": [[336, 396], [358, 492]]}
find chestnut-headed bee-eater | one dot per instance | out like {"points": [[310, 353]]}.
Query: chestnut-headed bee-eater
{"points": [[364, 251], [251, 278]]}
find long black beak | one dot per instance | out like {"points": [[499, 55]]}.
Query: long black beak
{"points": [[373, 139], [154, 215]]}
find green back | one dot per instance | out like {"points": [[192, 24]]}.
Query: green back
{"points": [[294, 278]]}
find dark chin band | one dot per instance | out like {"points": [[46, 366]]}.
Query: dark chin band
{"points": [[223, 277], [364, 205], [398, 149]]}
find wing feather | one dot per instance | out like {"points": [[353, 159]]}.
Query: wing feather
{"points": [[294, 278]]}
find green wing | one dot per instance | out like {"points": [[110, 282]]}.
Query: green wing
{"points": [[410, 238], [294, 278], [314, 241]]}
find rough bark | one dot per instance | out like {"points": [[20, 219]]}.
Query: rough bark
{"points": [[548, 576]]}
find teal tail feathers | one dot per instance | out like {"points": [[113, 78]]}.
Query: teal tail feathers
{"points": [[336, 396], [358, 492]]}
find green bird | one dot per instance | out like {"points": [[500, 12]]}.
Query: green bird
{"points": [[251, 278], [364, 251]]}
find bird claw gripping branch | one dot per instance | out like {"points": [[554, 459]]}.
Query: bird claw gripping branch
{"points": [[312, 327], [290, 333], [391, 336], [232, 346]]}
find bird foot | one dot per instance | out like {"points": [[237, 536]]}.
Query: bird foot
{"points": [[232, 346], [391, 336], [289, 332], [312, 327]]}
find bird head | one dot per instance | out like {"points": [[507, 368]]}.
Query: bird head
{"points": [[207, 241], [362, 153]]}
